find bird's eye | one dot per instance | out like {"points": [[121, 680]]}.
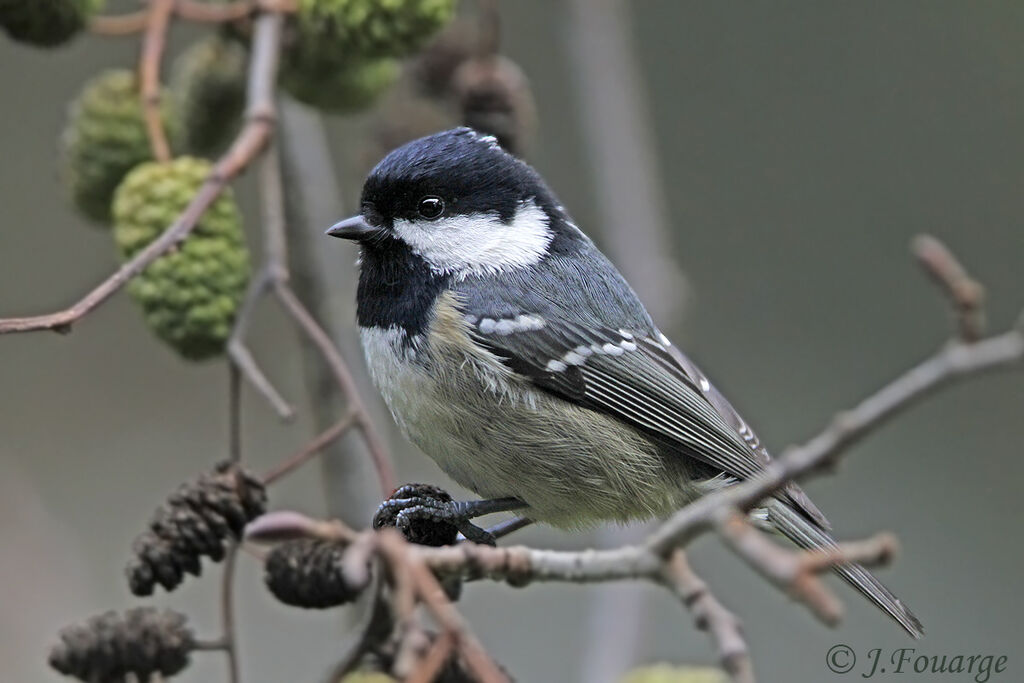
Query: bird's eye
{"points": [[431, 207]]}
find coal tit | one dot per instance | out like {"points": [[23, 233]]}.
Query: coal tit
{"points": [[513, 353]]}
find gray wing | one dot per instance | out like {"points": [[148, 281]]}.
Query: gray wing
{"points": [[621, 366]]}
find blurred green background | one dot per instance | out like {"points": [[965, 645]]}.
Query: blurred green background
{"points": [[801, 146]]}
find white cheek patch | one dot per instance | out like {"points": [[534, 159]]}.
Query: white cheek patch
{"points": [[478, 244]]}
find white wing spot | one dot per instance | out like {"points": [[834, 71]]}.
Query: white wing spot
{"points": [[527, 323], [613, 349], [664, 339], [584, 351], [628, 345], [626, 334], [505, 327], [705, 385], [555, 366], [573, 358]]}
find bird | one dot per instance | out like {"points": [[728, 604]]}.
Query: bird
{"points": [[510, 350]]}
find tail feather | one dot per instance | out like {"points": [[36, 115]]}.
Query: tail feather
{"points": [[807, 535]]}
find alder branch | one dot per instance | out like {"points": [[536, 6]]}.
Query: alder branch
{"points": [[246, 146]]}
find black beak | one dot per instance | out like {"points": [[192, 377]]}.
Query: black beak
{"points": [[355, 228]]}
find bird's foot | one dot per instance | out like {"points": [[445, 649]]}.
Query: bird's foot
{"points": [[427, 515]]}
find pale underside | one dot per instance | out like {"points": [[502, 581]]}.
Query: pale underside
{"points": [[493, 433]]}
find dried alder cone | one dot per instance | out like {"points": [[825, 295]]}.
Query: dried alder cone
{"points": [[196, 521], [208, 85], [189, 296], [110, 647], [105, 138], [309, 573], [46, 23]]}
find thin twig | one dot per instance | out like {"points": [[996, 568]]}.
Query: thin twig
{"points": [[158, 23], [275, 274], [965, 294], [319, 442], [433, 596], [953, 362], [434, 660], [240, 355], [710, 615], [316, 335], [782, 567], [227, 610], [260, 285], [234, 413], [209, 645], [250, 140]]}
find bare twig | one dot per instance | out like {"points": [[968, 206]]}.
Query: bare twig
{"points": [[433, 596], [316, 335], [434, 660], [234, 414], [250, 140], [319, 442], [965, 294], [243, 358], [781, 567], [953, 362], [276, 274], [227, 610], [158, 22], [209, 645], [710, 615]]}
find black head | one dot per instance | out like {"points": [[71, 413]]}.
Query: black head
{"points": [[461, 203]]}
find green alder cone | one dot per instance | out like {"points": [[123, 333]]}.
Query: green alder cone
{"points": [[332, 31], [208, 84], [105, 137], [46, 23], [343, 89], [189, 296], [665, 673]]}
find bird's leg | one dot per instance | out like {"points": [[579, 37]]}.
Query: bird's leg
{"points": [[427, 515], [502, 529]]}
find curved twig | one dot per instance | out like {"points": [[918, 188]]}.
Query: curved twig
{"points": [[158, 22]]}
